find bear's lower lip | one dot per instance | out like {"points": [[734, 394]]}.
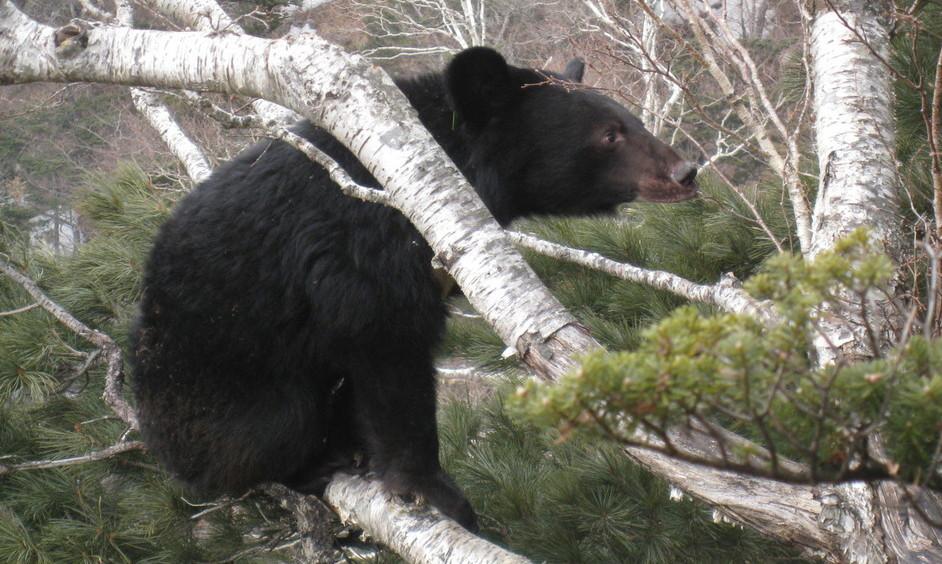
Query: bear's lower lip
{"points": [[669, 198], [661, 191]]}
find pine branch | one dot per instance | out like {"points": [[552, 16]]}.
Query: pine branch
{"points": [[93, 456], [114, 378]]}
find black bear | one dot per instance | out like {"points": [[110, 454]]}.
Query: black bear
{"points": [[285, 326]]}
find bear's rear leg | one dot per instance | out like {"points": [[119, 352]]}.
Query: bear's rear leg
{"points": [[343, 449], [395, 410]]}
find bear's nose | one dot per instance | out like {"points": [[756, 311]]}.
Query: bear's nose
{"points": [[684, 173]]}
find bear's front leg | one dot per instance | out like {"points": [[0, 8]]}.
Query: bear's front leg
{"points": [[394, 400]]}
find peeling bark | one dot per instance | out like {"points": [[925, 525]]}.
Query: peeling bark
{"points": [[787, 512]]}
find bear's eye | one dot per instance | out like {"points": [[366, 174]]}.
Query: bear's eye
{"points": [[611, 137]]}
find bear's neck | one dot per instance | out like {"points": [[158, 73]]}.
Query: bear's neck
{"points": [[427, 95]]}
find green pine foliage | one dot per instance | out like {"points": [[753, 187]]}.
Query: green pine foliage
{"points": [[915, 53], [123, 509], [734, 369], [578, 502]]}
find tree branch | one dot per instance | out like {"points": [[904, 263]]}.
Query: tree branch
{"points": [[160, 118], [114, 378], [93, 456], [419, 535], [18, 310], [208, 16], [726, 294]]}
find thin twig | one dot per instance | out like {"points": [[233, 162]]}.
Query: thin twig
{"points": [[114, 379], [82, 459], [23, 309], [347, 185]]}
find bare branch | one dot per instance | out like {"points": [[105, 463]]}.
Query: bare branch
{"points": [[114, 378], [347, 185], [225, 118], [18, 310], [197, 167], [726, 294], [417, 534], [93, 456]]}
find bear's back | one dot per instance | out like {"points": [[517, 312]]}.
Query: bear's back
{"points": [[260, 285]]}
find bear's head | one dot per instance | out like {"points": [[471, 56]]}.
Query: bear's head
{"points": [[539, 144]]}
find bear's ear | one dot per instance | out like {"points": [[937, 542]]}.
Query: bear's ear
{"points": [[479, 85], [574, 70]]}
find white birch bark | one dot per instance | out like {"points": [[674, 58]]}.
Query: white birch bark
{"points": [[160, 118], [419, 535], [856, 143], [362, 108], [726, 294], [176, 140], [208, 16], [855, 134], [855, 128]]}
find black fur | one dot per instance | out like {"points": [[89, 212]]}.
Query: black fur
{"points": [[285, 326]]}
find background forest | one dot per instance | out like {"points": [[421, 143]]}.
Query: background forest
{"points": [[85, 182]]}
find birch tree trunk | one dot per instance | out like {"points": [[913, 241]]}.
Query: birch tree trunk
{"points": [[420, 536], [856, 143], [855, 127]]}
